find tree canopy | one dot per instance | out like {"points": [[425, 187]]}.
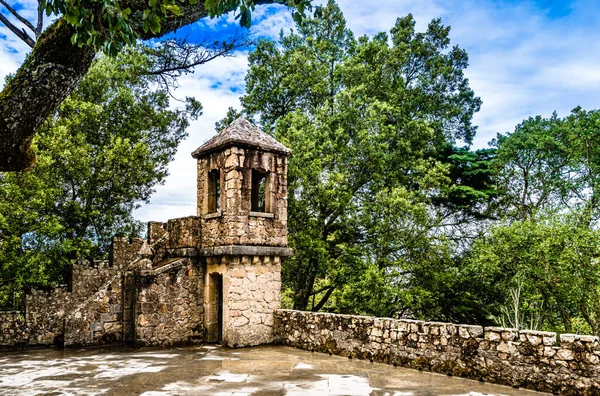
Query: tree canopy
{"points": [[390, 211], [366, 119], [63, 52], [541, 263], [100, 157]]}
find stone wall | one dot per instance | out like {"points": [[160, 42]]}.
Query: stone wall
{"points": [[251, 288], [13, 328], [169, 304], [89, 315], [94, 313], [235, 224], [124, 252], [569, 364], [184, 232], [44, 314]]}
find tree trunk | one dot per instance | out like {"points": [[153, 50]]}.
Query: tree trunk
{"points": [[324, 300], [304, 289], [46, 78], [51, 72]]}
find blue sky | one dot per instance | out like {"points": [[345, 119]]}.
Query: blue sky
{"points": [[526, 58]]}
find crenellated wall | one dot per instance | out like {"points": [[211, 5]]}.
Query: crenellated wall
{"points": [[569, 364], [89, 315]]}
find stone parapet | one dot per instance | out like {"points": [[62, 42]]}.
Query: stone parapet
{"points": [[13, 329], [184, 232], [569, 364]]}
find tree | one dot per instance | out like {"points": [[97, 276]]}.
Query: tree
{"points": [[540, 265], [470, 201], [552, 164], [541, 273], [100, 157], [365, 119], [531, 163], [63, 53]]}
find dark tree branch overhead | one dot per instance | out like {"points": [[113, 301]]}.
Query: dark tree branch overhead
{"points": [[176, 57], [20, 33], [52, 71], [19, 17]]}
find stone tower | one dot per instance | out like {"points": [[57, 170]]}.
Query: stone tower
{"points": [[242, 208], [213, 277]]}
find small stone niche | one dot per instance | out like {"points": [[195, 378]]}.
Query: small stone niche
{"points": [[214, 191], [260, 192]]}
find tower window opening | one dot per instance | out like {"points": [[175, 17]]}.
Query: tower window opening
{"points": [[259, 191], [214, 191]]}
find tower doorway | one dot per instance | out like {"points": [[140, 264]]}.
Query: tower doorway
{"points": [[214, 325]]}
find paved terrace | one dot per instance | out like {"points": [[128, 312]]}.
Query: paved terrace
{"points": [[211, 370]]}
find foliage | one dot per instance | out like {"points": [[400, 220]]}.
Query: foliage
{"points": [[541, 264], [547, 270], [108, 24], [101, 156], [366, 119], [552, 164]]}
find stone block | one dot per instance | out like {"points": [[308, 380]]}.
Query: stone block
{"points": [[107, 317]]}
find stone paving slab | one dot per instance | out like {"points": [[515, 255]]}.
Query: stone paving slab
{"points": [[214, 370]]}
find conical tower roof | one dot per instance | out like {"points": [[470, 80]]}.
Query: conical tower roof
{"points": [[241, 133]]}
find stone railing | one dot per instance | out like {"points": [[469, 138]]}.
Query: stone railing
{"points": [[536, 360]]}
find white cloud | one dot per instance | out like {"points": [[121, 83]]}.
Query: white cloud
{"points": [[526, 58], [177, 197]]}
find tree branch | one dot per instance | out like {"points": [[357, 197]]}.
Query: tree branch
{"points": [[173, 58], [18, 16], [20, 33], [52, 71], [324, 300], [40, 21]]}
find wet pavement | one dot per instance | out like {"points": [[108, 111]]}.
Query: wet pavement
{"points": [[212, 370]]}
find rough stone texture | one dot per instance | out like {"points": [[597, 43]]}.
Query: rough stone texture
{"points": [[156, 231], [184, 232], [169, 306], [124, 252], [94, 315], [44, 314], [89, 315], [526, 359], [234, 250], [251, 289], [215, 276], [235, 224], [13, 328]]}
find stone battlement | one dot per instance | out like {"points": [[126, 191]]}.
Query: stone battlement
{"points": [[566, 364], [212, 277]]}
